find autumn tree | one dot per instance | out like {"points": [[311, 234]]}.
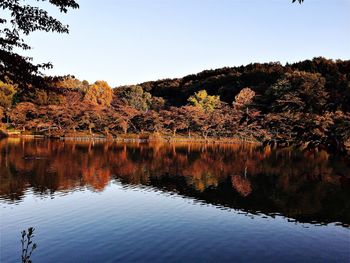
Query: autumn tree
{"points": [[34, 95], [244, 98], [99, 93], [65, 116], [110, 122], [339, 133], [194, 117], [71, 83], [2, 113], [56, 98], [7, 92], [24, 19], [125, 114], [149, 121], [23, 114], [157, 103], [207, 123], [50, 118], [69, 113], [204, 101], [86, 121], [175, 119], [41, 97]]}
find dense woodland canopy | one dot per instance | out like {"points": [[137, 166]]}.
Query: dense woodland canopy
{"points": [[305, 103]]}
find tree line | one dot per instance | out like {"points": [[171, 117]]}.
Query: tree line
{"points": [[305, 104]]}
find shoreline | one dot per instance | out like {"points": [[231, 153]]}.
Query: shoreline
{"points": [[149, 138], [139, 138]]}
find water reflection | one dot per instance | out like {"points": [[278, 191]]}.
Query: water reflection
{"points": [[309, 187]]}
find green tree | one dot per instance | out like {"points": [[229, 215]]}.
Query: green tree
{"points": [[135, 97], [298, 91], [204, 101], [7, 92]]}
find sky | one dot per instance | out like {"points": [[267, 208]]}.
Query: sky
{"points": [[132, 41]]}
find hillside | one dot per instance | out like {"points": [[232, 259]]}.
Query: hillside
{"points": [[305, 104]]}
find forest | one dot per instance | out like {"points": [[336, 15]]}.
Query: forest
{"points": [[304, 104]]}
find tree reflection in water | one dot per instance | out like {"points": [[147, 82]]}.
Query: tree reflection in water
{"points": [[306, 186]]}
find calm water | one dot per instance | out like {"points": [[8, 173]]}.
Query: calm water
{"points": [[108, 202]]}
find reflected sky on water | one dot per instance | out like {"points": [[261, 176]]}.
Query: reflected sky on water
{"points": [[107, 202]]}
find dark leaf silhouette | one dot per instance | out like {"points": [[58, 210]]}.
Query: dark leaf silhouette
{"points": [[25, 19]]}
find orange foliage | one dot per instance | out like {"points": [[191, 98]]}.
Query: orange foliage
{"points": [[244, 97]]}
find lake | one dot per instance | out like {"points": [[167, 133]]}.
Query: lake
{"points": [[161, 202]]}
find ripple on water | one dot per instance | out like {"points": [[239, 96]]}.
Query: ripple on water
{"points": [[161, 204]]}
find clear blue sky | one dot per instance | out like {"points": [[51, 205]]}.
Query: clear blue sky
{"points": [[131, 41]]}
